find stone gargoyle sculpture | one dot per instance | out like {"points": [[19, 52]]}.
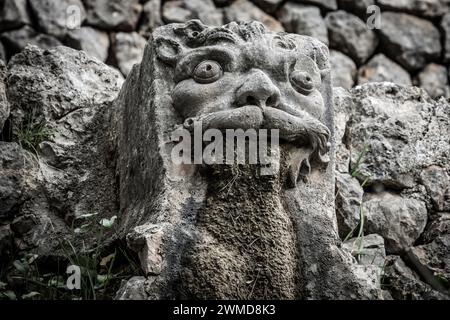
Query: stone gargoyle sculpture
{"points": [[226, 231]]}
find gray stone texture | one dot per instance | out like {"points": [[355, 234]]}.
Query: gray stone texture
{"points": [[350, 35], [118, 15], [305, 20], [409, 40], [158, 218], [434, 79], [53, 16], [343, 70], [380, 68]]}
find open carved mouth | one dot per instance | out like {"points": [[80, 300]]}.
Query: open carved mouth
{"points": [[295, 126]]}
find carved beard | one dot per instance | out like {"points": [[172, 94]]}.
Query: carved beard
{"points": [[306, 139], [256, 258]]}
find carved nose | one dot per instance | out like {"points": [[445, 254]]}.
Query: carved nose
{"points": [[258, 90]]}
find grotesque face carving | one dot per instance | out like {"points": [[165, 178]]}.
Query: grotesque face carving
{"points": [[240, 76]]}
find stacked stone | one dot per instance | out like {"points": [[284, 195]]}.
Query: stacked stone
{"points": [[411, 45], [392, 140]]}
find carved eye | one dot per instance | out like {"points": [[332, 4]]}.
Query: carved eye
{"points": [[207, 71], [302, 82]]}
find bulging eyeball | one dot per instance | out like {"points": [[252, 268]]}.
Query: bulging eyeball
{"points": [[302, 82], [207, 71]]}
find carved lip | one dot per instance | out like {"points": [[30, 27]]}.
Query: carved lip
{"points": [[294, 125]]}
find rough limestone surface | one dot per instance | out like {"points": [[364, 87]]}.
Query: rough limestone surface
{"points": [[68, 94], [437, 183], [399, 131], [343, 109], [269, 6], [405, 284], [305, 20], [358, 7], [369, 250], [184, 10], [13, 14], [400, 220], [113, 15], [434, 79], [52, 15], [350, 34], [432, 258], [349, 195], [4, 105], [380, 68], [409, 40], [210, 238], [246, 11], [2, 52], [326, 4], [129, 49], [17, 40], [445, 26], [343, 70], [11, 179], [151, 17], [426, 8], [92, 41]]}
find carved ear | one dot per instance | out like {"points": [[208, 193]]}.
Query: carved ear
{"points": [[168, 50]]}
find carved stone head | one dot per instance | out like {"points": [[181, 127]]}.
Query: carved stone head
{"points": [[229, 232], [239, 76]]}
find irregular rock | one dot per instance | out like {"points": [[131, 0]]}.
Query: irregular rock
{"points": [[445, 25], [6, 242], [343, 108], [380, 68], [432, 258], [400, 221], [397, 131], [404, 284], [11, 178], [245, 11], [434, 79], [426, 8], [305, 20], [185, 10], [358, 7], [133, 289], [13, 14], [269, 6], [147, 240], [350, 35], [128, 50], [66, 93], [151, 18], [326, 4], [437, 182], [94, 42], [409, 40], [349, 194], [53, 15], [2, 53], [117, 15], [343, 70], [17, 40], [368, 250], [4, 105]]}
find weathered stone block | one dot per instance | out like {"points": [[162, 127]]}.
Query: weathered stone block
{"points": [[219, 220]]}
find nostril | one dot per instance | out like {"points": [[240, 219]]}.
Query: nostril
{"points": [[272, 101], [251, 101]]}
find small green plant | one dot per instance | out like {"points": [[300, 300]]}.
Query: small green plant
{"points": [[32, 131], [101, 268], [356, 169]]}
